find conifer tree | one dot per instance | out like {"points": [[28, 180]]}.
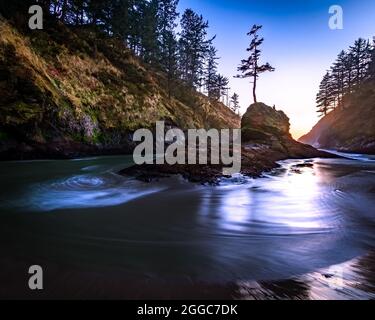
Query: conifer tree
{"points": [[338, 83], [235, 103], [193, 46], [361, 58], [325, 97], [170, 61], [211, 71], [251, 67], [371, 70]]}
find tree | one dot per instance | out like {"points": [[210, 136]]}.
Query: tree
{"points": [[361, 53], [222, 85], [219, 87], [148, 28], [149, 32], [193, 46], [170, 61], [349, 72], [325, 96], [371, 70], [250, 67], [338, 83], [211, 72], [234, 102], [167, 16]]}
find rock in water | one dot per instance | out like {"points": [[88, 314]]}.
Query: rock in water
{"points": [[263, 127]]}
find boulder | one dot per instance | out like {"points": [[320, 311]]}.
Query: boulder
{"points": [[262, 123], [264, 127]]}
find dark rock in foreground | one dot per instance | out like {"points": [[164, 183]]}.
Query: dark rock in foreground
{"points": [[266, 140]]}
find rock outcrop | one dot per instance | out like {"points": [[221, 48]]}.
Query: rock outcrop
{"points": [[265, 140], [263, 127]]}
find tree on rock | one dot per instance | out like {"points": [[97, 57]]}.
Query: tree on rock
{"points": [[250, 67]]}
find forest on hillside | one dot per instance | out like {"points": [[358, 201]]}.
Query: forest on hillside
{"points": [[352, 69], [177, 44]]}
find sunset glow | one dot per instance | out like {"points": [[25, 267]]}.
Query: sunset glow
{"points": [[298, 43]]}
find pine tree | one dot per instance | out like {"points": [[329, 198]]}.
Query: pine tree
{"points": [[349, 72], [338, 85], [193, 46], [170, 61], [149, 32], [211, 72], [361, 57], [325, 97], [371, 70], [121, 17], [220, 87], [251, 68], [167, 16], [234, 103]]}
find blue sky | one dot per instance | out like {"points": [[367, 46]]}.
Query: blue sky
{"points": [[298, 43]]}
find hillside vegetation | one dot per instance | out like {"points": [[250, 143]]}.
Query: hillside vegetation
{"points": [[350, 127], [66, 91]]}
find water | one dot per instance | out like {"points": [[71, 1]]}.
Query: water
{"points": [[303, 231]]}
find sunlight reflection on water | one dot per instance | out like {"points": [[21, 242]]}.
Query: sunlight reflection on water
{"points": [[303, 216]]}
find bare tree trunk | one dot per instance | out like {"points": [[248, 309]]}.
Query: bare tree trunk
{"points": [[255, 75], [255, 89]]}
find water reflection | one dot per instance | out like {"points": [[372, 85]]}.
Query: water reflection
{"points": [[260, 234]]}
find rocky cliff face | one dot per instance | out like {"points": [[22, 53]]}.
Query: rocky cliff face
{"points": [[350, 128], [67, 92], [264, 127]]}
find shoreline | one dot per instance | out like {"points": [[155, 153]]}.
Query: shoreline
{"points": [[255, 161]]}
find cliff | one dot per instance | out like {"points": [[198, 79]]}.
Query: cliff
{"points": [[350, 128], [66, 92]]}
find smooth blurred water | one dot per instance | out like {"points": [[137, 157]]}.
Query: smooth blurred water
{"points": [[300, 219]]}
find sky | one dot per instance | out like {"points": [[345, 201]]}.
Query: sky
{"points": [[298, 42]]}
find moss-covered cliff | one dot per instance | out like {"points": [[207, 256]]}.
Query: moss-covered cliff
{"points": [[67, 92]]}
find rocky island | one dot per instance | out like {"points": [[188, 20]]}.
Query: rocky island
{"points": [[265, 140]]}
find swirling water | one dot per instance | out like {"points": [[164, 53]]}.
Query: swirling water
{"points": [[279, 236]]}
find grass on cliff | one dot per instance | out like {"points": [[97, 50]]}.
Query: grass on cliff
{"points": [[80, 83]]}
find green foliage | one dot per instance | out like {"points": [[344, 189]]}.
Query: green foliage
{"points": [[235, 103], [194, 47], [53, 96]]}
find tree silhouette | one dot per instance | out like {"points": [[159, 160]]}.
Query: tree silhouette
{"points": [[325, 97], [250, 67], [348, 73]]}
